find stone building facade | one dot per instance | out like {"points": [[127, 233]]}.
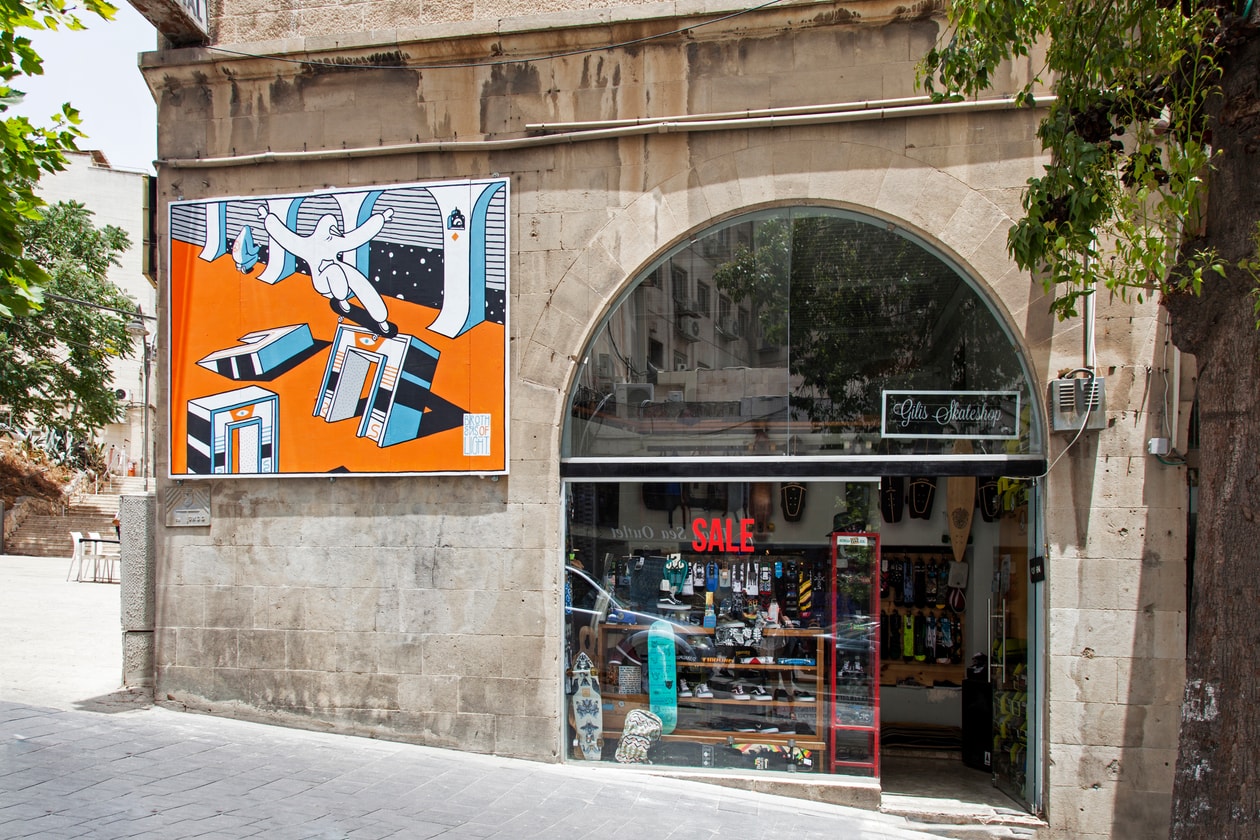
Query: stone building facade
{"points": [[119, 197], [432, 608]]}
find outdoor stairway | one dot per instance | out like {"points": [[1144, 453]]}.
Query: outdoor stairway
{"points": [[49, 535]]}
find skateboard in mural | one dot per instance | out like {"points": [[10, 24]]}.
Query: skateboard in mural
{"points": [[588, 714], [359, 315], [662, 681]]}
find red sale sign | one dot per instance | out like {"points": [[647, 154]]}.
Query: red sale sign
{"points": [[721, 535]]}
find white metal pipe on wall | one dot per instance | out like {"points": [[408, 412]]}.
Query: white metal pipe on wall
{"points": [[775, 118]]}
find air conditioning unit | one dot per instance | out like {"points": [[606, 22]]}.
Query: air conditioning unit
{"points": [[729, 327], [1078, 403], [125, 395], [631, 396], [689, 327]]}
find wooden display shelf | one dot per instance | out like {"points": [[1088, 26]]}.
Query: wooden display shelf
{"points": [[927, 673], [697, 630], [616, 705], [713, 736], [683, 665], [678, 628], [643, 701]]}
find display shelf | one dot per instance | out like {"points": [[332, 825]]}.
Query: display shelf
{"points": [[709, 736], [684, 702], [716, 710], [1008, 676], [926, 674], [927, 569], [1010, 737]]}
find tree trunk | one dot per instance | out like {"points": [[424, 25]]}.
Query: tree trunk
{"points": [[1216, 789]]}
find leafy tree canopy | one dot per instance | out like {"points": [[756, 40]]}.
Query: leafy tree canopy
{"points": [[26, 149], [1128, 133], [1157, 101], [54, 363]]}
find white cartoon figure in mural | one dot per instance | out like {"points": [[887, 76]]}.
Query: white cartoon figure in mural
{"points": [[332, 277]]}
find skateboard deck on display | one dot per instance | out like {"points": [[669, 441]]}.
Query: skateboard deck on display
{"points": [[359, 315], [960, 502], [588, 708], [662, 681]]}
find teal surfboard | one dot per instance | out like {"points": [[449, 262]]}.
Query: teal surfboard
{"points": [[662, 679]]}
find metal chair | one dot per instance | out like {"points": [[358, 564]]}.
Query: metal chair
{"points": [[106, 556]]}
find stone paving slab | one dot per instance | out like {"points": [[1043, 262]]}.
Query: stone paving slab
{"points": [[80, 758], [159, 773]]}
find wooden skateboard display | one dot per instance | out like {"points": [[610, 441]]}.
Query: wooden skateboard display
{"points": [[588, 709]]}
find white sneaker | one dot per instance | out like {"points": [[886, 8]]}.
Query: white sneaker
{"points": [[703, 692], [684, 690]]}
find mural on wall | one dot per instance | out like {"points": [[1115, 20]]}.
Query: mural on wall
{"points": [[358, 331]]}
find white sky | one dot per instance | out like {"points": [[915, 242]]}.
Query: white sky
{"points": [[95, 71]]}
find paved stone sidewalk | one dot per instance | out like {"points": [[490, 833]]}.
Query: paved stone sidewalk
{"points": [[156, 773], [80, 758]]}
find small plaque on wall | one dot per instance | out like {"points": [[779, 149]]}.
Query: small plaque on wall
{"points": [[187, 507]]}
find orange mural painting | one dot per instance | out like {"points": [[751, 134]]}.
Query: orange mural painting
{"points": [[357, 331]]}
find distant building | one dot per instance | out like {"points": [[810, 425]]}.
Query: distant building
{"points": [[119, 197]]}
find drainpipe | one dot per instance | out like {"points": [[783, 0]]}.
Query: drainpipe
{"points": [[1090, 325], [861, 105], [773, 118]]}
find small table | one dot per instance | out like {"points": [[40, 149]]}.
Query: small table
{"points": [[97, 556]]}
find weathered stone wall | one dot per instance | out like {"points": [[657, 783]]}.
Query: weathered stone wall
{"points": [[429, 608], [1116, 529], [350, 22]]}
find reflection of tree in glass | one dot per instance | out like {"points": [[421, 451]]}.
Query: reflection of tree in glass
{"points": [[866, 310]]}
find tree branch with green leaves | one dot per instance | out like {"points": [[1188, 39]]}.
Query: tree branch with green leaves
{"points": [[28, 150], [1127, 134]]}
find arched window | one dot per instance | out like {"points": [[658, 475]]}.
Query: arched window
{"points": [[818, 340]]}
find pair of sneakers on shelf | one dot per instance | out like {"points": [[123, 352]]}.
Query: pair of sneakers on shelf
{"points": [[737, 691], [701, 691], [794, 695], [755, 692]]}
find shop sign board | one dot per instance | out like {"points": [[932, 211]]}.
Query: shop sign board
{"points": [[952, 415], [342, 332]]}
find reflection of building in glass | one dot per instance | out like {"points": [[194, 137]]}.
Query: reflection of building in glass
{"points": [[817, 315]]}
